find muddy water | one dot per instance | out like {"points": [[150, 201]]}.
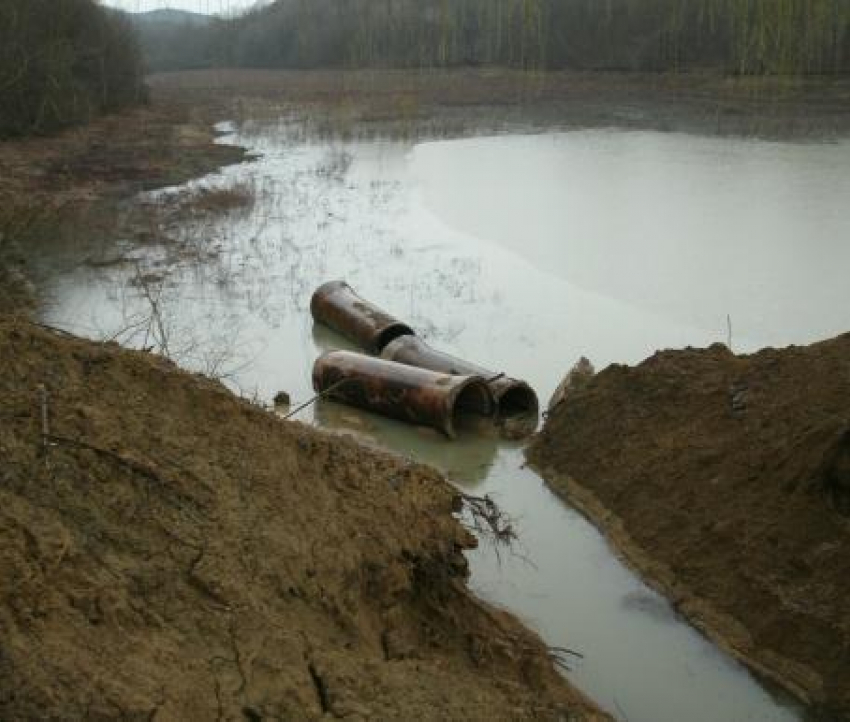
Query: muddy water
{"points": [[523, 253]]}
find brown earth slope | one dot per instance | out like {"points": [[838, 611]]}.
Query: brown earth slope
{"points": [[726, 479], [174, 552]]}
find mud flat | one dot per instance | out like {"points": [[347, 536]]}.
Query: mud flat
{"points": [[171, 550], [725, 480], [78, 183], [468, 101]]}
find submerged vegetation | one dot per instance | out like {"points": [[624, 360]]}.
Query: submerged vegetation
{"points": [[739, 36], [63, 62]]}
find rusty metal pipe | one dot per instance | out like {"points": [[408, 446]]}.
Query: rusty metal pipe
{"points": [[415, 395], [512, 395], [335, 304]]}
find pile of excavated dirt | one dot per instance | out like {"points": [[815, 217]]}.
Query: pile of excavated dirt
{"points": [[170, 551], [726, 480]]}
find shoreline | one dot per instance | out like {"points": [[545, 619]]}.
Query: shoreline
{"points": [[462, 101], [727, 633]]}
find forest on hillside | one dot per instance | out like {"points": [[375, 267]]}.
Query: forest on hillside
{"points": [[63, 62], [737, 36]]}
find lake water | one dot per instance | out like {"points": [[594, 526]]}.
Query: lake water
{"points": [[523, 253]]}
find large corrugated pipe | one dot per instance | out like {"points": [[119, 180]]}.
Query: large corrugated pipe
{"points": [[335, 304], [512, 396], [416, 395]]}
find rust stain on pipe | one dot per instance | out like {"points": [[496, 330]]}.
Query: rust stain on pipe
{"points": [[512, 395], [416, 395], [335, 304]]}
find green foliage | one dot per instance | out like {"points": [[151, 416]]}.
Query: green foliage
{"points": [[62, 62]]}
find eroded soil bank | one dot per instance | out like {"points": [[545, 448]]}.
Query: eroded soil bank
{"points": [[169, 549], [726, 481]]}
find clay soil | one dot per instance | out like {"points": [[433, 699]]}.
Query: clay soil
{"points": [[726, 480], [170, 551]]}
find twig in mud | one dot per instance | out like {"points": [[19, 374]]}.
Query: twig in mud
{"points": [[559, 656], [729, 331], [488, 520], [315, 398], [131, 464], [154, 328], [45, 418], [130, 331], [155, 325], [51, 329]]}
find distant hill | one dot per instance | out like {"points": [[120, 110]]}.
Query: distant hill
{"points": [[170, 16], [174, 39]]}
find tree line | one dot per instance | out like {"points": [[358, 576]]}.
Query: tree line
{"points": [[738, 36], [63, 62]]}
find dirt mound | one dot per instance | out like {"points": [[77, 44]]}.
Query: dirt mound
{"points": [[726, 480], [175, 552]]}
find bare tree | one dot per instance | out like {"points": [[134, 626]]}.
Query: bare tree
{"points": [[63, 61]]}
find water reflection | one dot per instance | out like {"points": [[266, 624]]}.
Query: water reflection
{"points": [[469, 457], [326, 339], [650, 604]]}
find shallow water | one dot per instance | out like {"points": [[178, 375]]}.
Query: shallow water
{"points": [[523, 253]]}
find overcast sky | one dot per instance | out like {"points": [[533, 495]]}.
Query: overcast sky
{"points": [[198, 6]]}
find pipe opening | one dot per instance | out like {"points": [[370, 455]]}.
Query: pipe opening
{"points": [[473, 405], [518, 400], [391, 333]]}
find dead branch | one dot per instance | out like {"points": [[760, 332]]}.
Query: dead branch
{"points": [[560, 655], [156, 326], [315, 398], [51, 329], [45, 418], [488, 520], [130, 464]]}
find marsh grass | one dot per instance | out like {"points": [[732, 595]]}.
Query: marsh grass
{"points": [[207, 201]]}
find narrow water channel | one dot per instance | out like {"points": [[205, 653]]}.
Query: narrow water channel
{"points": [[523, 252]]}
